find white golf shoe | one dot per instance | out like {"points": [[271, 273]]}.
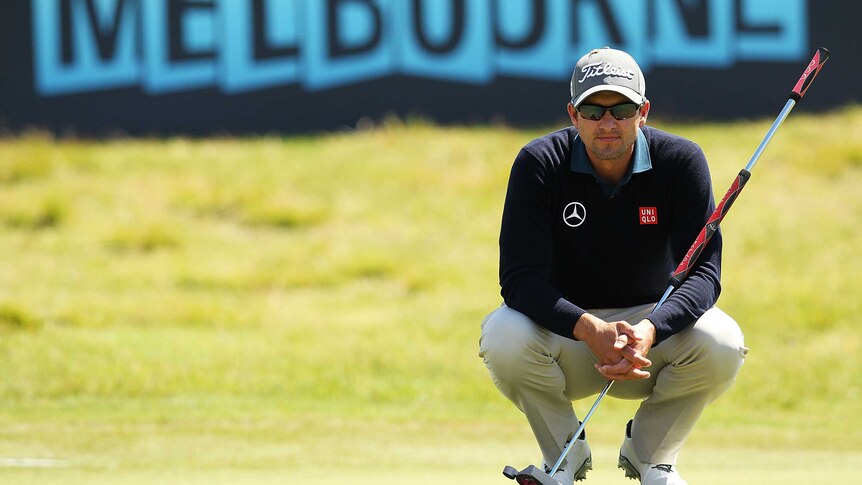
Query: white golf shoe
{"points": [[647, 473], [580, 460]]}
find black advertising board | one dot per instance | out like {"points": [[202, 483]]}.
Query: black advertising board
{"points": [[200, 67]]}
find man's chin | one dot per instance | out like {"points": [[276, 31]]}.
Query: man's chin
{"points": [[609, 155]]}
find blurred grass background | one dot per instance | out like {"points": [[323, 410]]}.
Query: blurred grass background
{"points": [[271, 310]]}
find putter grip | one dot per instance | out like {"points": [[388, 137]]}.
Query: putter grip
{"points": [[709, 229], [814, 67]]}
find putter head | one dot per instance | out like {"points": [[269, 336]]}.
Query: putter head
{"points": [[532, 475], [510, 472]]}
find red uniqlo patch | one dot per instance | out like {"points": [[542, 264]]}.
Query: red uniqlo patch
{"points": [[648, 215]]}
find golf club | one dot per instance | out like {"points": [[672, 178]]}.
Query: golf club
{"points": [[533, 475]]}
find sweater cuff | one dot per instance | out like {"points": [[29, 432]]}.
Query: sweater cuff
{"points": [[663, 330]]}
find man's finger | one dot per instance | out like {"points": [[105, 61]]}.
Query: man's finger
{"points": [[621, 341], [620, 367], [630, 375], [637, 359], [629, 332]]}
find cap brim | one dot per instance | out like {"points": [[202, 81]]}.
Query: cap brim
{"points": [[633, 95]]}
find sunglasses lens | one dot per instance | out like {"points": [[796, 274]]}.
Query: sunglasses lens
{"points": [[620, 111], [624, 111], [591, 112]]}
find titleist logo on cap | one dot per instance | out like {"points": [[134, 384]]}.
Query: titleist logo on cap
{"points": [[605, 69]]}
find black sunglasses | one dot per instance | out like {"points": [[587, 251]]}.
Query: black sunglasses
{"points": [[620, 112]]}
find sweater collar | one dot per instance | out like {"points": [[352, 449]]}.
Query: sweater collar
{"points": [[641, 162]]}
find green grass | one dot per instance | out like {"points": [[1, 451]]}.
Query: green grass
{"points": [[306, 309]]}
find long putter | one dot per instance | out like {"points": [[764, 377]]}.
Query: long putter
{"points": [[533, 475]]}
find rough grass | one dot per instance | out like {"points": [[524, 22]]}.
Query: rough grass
{"points": [[255, 310]]}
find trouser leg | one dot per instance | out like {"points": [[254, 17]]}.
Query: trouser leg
{"points": [[541, 373], [523, 359], [697, 366]]}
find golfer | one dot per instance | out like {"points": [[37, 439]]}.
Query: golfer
{"points": [[597, 216]]}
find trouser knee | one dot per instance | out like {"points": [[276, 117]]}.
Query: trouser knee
{"points": [[717, 348], [509, 342]]}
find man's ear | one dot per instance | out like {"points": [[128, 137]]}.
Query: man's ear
{"points": [[644, 113], [573, 114]]}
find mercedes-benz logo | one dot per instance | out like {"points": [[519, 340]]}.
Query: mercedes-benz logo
{"points": [[574, 214]]}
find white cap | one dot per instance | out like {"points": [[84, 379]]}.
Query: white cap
{"points": [[608, 69]]}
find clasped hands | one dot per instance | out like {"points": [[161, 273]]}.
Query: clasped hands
{"points": [[620, 347]]}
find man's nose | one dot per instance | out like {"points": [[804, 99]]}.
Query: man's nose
{"points": [[607, 119]]}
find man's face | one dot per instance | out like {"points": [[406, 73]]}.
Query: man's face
{"points": [[608, 138]]}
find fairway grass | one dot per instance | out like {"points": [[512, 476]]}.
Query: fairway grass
{"points": [[381, 452], [306, 309], [271, 447]]}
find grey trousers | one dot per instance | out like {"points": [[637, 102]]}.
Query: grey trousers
{"points": [[542, 373]]}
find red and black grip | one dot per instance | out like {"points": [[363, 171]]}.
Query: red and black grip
{"points": [[814, 67], [709, 229]]}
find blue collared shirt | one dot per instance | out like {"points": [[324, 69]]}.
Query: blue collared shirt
{"points": [[640, 163]]}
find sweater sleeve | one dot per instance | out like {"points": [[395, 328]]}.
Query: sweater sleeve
{"points": [[692, 205], [526, 247]]}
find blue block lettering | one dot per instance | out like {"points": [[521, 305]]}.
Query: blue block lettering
{"points": [[84, 45], [346, 41], [242, 45], [693, 33], [532, 38], [771, 29], [261, 45], [448, 39], [621, 24], [177, 34]]}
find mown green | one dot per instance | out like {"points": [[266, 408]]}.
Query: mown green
{"points": [[306, 309]]}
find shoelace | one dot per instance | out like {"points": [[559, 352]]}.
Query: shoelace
{"points": [[664, 468]]}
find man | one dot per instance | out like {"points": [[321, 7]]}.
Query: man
{"points": [[596, 218]]}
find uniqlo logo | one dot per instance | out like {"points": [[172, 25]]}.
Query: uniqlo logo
{"points": [[648, 215]]}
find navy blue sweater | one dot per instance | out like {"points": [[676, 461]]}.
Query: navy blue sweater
{"points": [[569, 242]]}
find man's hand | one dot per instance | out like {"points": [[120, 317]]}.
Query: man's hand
{"points": [[621, 348]]}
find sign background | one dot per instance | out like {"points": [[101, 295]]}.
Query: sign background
{"points": [[742, 89]]}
